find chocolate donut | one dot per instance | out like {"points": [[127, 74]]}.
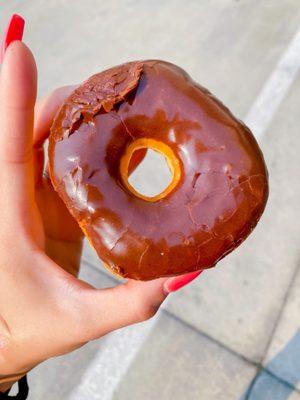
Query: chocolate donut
{"points": [[220, 182]]}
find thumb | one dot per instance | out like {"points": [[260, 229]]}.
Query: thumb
{"points": [[123, 305]]}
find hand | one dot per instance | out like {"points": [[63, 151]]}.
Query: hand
{"points": [[44, 310]]}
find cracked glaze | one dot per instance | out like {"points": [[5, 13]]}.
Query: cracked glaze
{"points": [[215, 206]]}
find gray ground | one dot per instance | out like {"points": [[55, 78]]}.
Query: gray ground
{"points": [[234, 333]]}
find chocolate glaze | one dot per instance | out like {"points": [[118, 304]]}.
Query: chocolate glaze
{"points": [[218, 201]]}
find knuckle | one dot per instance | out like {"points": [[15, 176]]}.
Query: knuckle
{"points": [[61, 92], [56, 93], [146, 311]]}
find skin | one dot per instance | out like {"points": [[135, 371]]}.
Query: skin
{"points": [[45, 311]]}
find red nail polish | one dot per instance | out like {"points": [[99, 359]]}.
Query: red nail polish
{"points": [[173, 284], [14, 31]]}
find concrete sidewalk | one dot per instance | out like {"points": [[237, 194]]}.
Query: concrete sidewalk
{"points": [[235, 332]]}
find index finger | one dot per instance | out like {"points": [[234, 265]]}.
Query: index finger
{"points": [[18, 85]]}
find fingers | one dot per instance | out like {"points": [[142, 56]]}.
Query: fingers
{"points": [[123, 305], [177, 282], [45, 112], [127, 304], [18, 85]]}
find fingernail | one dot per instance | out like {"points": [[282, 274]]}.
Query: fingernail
{"points": [[176, 283], [14, 31]]}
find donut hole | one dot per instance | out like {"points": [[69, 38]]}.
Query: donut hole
{"points": [[152, 176], [155, 175]]}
